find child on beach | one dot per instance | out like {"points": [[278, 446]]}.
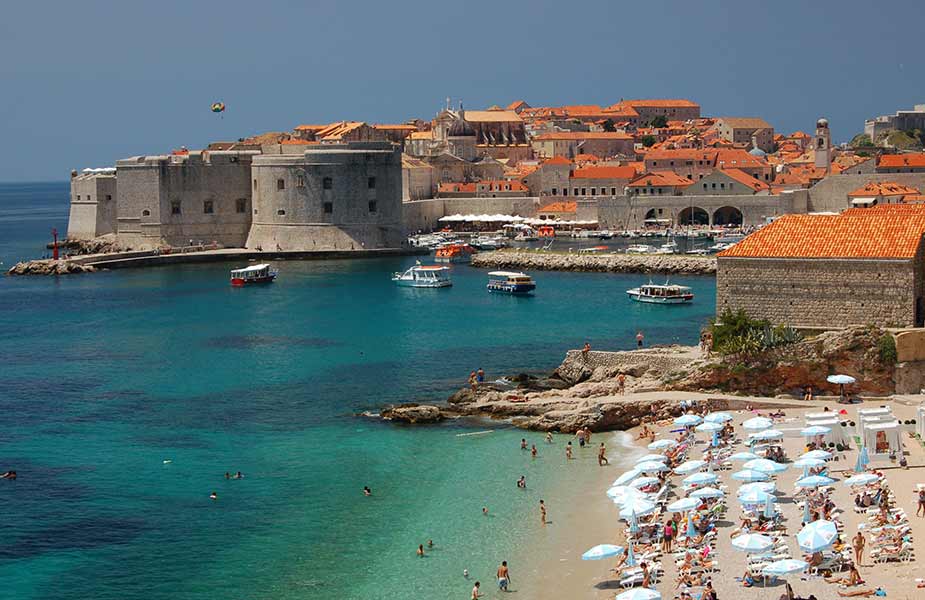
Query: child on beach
{"points": [[602, 456], [568, 451]]}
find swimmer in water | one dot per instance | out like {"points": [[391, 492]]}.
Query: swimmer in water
{"points": [[239, 475], [213, 496], [568, 451], [430, 543], [367, 491], [533, 450], [421, 550], [227, 475], [523, 444], [485, 511], [522, 482], [548, 437], [466, 573]]}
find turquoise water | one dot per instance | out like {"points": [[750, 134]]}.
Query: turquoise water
{"points": [[104, 377]]}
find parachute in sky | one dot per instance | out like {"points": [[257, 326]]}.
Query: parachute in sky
{"points": [[218, 107]]}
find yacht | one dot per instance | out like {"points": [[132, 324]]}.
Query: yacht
{"points": [[424, 276], [661, 294], [668, 247]]}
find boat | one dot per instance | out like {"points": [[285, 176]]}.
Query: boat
{"points": [[253, 274], [605, 234], [661, 294], [509, 282], [454, 253], [667, 248], [424, 276], [546, 231], [487, 243], [730, 238], [526, 237], [639, 249]]}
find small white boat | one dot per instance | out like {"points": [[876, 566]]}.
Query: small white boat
{"points": [[253, 274], [661, 294], [508, 282], [640, 249], [424, 276], [667, 248]]}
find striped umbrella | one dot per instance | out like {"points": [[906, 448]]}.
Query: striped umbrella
{"points": [[602, 551], [752, 542]]}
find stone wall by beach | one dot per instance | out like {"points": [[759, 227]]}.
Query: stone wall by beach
{"points": [[612, 263]]}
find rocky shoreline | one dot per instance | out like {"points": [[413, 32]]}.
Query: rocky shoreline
{"points": [[49, 267], [669, 264]]}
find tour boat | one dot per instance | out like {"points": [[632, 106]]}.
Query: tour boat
{"points": [[424, 276], [253, 274], [508, 282], [454, 253], [661, 294]]}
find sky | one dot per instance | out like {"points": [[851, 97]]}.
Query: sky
{"points": [[85, 83]]}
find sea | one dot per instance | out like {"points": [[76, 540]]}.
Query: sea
{"points": [[127, 395]]}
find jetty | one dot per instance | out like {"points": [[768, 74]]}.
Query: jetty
{"points": [[669, 264]]}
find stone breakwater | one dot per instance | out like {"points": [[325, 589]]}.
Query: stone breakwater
{"points": [[49, 267], [605, 263]]}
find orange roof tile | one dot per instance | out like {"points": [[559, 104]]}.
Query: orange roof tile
{"points": [[604, 173], [662, 103], [587, 158], [583, 135], [309, 127], [682, 154], [294, 142], [914, 199], [621, 109], [557, 160], [396, 127], [560, 207], [736, 158], [912, 159], [660, 178], [746, 179], [882, 188], [857, 233]]}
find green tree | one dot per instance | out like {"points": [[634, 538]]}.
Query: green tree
{"points": [[861, 140], [648, 141], [659, 121]]}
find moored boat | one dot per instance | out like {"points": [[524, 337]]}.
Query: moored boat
{"points": [[510, 282], [424, 276], [661, 294], [640, 249], [253, 274], [454, 253]]}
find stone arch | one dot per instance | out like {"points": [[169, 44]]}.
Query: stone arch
{"points": [[693, 215], [652, 213], [727, 215]]}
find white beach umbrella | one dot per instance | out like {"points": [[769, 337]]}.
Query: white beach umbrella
{"points": [[662, 444], [690, 466], [841, 379], [744, 456], [618, 491], [684, 505], [708, 427], [757, 424], [767, 487], [638, 506], [752, 542], [820, 454], [814, 481], [785, 567], [649, 457], [817, 536], [861, 479], [753, 497], [687, 420], [808, 463], [718, 417], [643, 482], [767, 434], [651, 466], [750, 475], [707, 492], [632, 494], [640, 593], [765, 466], [700, 479], [627, 477], [814, 430], [602, 551]]}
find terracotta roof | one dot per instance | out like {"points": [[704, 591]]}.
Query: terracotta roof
{"points": [[882, 188], [915, 199], [587, 158], [309, 127], [682, 154], [621, 109], [456, 187], [422, 135], [583, 135], [517, 104], [736, 158], [560, 207], [339, 129], [558, 160], [660, 178], [492, 116], [604, 173], [396, 127], [294, 142], [746, 179], [662, 103], [857, 233], [745, 122], [916, 159]]}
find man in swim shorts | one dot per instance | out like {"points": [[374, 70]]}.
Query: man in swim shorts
{"points": [[504, 576]]}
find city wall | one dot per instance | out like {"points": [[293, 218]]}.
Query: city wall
{"points": [[629, 212], [831, 193]]}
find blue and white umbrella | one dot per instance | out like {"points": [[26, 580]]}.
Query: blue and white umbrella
{"points": [[620, 491], [688, 420], [631, 555], [788, 566], [684, 505], [643, 482], [689, 466], [767, 434], [662, 444], [769, 506], [637, 507], [634, 527], [707, 492], [757, 423], [639, 593], [863, 460], [602, 551], [752, 542], [750, 475], [708, 426], [651, 457], [814, 430], [627, 477], [717, 417], [817, 536], [714, 439], [691, 530], [744, 456], [651, 466], [841, 379], [753, 497], [820, 454], [768, 487], [814, 481], [811, 463], [765, 466], [861, 479], [700, 479]]}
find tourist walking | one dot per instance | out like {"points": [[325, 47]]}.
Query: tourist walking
{"points": [[602, 456], [542, 512], [504, 576], [667, 535], [920, 509], [639, 339], [621, 384], [858, 543]]}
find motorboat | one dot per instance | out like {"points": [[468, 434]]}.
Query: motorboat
{"points": [[715, 248], [487, 243], [454, 253], [253, 274], [509, 282], [668, 247], [424, 276], [730, 238], [661, 294], [605, 234], [640, 249]]}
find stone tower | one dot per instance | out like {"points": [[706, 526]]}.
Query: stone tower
{"points": [[822, 144]]}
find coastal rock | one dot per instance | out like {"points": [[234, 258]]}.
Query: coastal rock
{"points": [[49, 267], [413, 413], [669, 264], [103, 244]]}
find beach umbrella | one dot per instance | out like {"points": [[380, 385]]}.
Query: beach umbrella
{"points": [[861, 479], [767, 487], [643, 482], [769, 506], [640, 593], [627, 477], [634, 526], [841, 379], [708, 426], [651, 466], [744, 456], [781, 568], [820, 454], [863, 460], [714, 441], [707, 492], [765, 466], [754, 497], [814, 430], [814, 481], [618, 492], [808, 462], [651, 457], [700, 479], [684, 505], [757, 423], [752, 542], [637, 507], [817, 536], [717, 417], [602, 551], [691, 531], [687, 420], [631, 555], [630, 494], [807, 515], [767, 434], [750, 475], [662, 444], [689, 466]]}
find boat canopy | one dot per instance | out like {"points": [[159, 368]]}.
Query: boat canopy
{"points": [[457, 218], [506, 274], [252, 268]]}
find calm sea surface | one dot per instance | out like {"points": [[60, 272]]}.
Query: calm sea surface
{"points": [[127, 395]]}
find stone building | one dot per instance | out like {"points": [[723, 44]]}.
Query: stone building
{"points": [[93, 203], [911, 162], [902, 120], [727, 181], [332, 197], [677, 109], [865, 266], [569, 144], [743, 130], [880, 192], [593, 181]]}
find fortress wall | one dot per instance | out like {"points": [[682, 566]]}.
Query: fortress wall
{"points": [[628, 212], [93, 206], [831, 193]]}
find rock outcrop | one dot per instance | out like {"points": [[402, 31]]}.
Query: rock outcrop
{"points": [[413, 413], [669, 264], [49, 267], [104, 244]]}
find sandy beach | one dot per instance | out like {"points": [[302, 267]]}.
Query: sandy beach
{"points": [[557, 571]]}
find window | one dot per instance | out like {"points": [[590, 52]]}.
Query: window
{"points": [[109, 196], [613, 191], [704, 186], [555, 191], [175, 207], [280, 184], [233, 159], [371, 184], [281, 213], [327, 183], [584, 191], [240, 205], [659, 190], [654, 163], [575, 192], [372, 206], [300, 181], [208, 207], [255, 184], [713, 185], [564, 191], [722, 186], [146, 213], [328, 208], [78, 197]]}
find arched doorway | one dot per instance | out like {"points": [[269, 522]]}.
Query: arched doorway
{"points": [[651, 214], [693, 215], [727, 215]]}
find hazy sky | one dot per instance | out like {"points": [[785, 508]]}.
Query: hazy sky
{"points": [[84, 83]]}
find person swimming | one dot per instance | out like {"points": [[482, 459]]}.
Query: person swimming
{"points": [[238, 475], [213, 496], [367, 491]]}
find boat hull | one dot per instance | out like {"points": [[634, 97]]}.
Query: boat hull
{"points": [[452, 259], [515, 289], [422, 284], [683, 299], [239, 282]]}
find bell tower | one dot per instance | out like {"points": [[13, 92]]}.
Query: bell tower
{"points": [[822, 145]]}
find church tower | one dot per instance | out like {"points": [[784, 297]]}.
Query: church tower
{"points": [[822, 144]]}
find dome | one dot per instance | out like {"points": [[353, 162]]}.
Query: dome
{"points": [[822, 123], [757, 152], [460, 129]]}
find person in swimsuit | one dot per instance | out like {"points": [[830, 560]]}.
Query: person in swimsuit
{"points": [[639, 338], [367, 491], [504, 576], [542, 512], [421, 550], [475, 591], [533, 450], [858, 543], [522, 482], [523, 443], [213, 496], [920, 509], [568, 451]]}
